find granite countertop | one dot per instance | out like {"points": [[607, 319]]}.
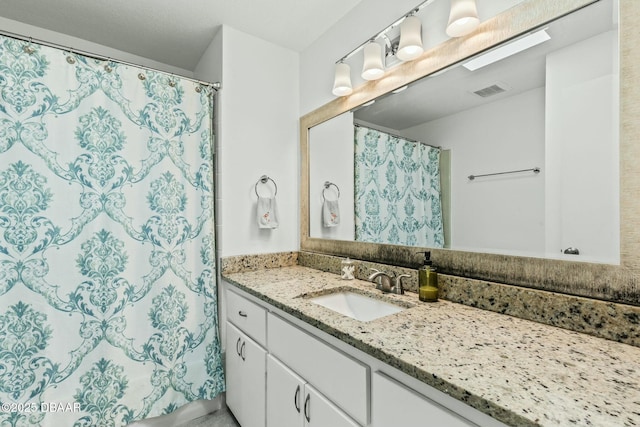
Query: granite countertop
{"points": [[520, 372]]}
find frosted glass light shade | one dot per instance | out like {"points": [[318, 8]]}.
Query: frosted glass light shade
{"points": [[463, 18], [410, 46], [372, 68], [342, 82]]}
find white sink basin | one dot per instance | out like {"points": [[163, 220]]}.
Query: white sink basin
{"points": [[356, 306]]}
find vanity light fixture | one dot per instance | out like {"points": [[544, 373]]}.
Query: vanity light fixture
{"points": [[463, 18], [410, 39], [342, 81], [505, 51], [372, 68]]}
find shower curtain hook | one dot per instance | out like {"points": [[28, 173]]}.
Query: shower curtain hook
{"points": [[29, 49]]}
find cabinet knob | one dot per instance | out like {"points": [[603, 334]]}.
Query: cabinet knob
{"points": [[242, 347], [242, 313], [238, 346], [296, 399], [307, 408]]}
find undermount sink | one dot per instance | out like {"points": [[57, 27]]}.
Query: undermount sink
{"points": [[356, 306]]}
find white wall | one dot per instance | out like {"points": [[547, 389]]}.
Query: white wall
{"points": [[209, 67], [257, 135], [332, 154], [496, 214], [582, 150]]}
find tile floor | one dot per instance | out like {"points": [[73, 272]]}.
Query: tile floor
{"points": [[220, 418]]}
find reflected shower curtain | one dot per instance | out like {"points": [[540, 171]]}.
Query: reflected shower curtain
{"points": [[108, 303], [397, 190]]}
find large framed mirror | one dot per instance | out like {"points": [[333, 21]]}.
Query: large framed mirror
{"points": [[514, 228]]}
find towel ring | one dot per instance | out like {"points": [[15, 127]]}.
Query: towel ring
{"points": [[328, 184], [263, 180]]}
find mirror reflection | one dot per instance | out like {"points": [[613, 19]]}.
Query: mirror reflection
{"points": [[516, 156]]}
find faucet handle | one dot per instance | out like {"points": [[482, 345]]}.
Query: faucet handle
{"points": [[397, 284]]}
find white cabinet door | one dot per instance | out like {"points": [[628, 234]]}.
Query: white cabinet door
{"points": [[319, 412], [245, 376], [285, 395], [340, 377], [393, 404], [291, 402], [233, 370]]}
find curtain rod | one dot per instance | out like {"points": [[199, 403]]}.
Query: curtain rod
{"points": [[358, 125], [215, 86]]}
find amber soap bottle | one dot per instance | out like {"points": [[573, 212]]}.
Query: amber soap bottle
{"points": [[427, 280]]}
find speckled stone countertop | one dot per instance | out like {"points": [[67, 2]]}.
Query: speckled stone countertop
{"points": [[520, 372]]}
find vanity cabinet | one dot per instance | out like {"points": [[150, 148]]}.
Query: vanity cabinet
{"points": [[334, 374], [394, 404], [293, 402], [246, 360], [282, 372]]}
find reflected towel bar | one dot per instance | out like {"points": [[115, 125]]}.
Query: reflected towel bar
{"points": [[328, 184], [534, 170]]}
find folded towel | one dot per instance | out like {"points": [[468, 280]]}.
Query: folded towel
{"points": [[330, 213], [267, 212]]}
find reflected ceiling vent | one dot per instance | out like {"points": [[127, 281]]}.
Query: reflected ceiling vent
{"points": [[492, 90]]}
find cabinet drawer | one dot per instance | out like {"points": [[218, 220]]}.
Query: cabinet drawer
{"points": [[393, 404], [247, 316], [339, 377]]}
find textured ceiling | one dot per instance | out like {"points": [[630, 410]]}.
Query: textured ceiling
{"points": [[177, 32]]}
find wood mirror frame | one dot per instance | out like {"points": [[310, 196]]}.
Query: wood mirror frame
{"points": [[617, 283]]}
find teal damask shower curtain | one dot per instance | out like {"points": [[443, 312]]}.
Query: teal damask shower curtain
{"points": [[108, 301], [397, 190]]}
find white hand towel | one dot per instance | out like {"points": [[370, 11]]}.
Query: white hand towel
{"points": [[267, 212], [330, 213]]}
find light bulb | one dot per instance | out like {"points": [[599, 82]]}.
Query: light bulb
{"points": [[372, 68], [342, 82], [410, 46]]}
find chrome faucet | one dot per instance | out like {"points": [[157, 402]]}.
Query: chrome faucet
{"points": [[381, 279], [386, 283]]}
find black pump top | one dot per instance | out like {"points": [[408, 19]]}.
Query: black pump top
{"points": [[427, 257]]}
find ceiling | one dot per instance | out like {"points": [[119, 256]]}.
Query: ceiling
{"points": [[178, 32]]}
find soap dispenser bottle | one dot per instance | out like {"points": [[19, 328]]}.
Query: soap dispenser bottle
{"points": [[427, 280]]}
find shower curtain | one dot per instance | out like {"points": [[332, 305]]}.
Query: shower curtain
{"points": [[397, 190], [108, 301]]}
